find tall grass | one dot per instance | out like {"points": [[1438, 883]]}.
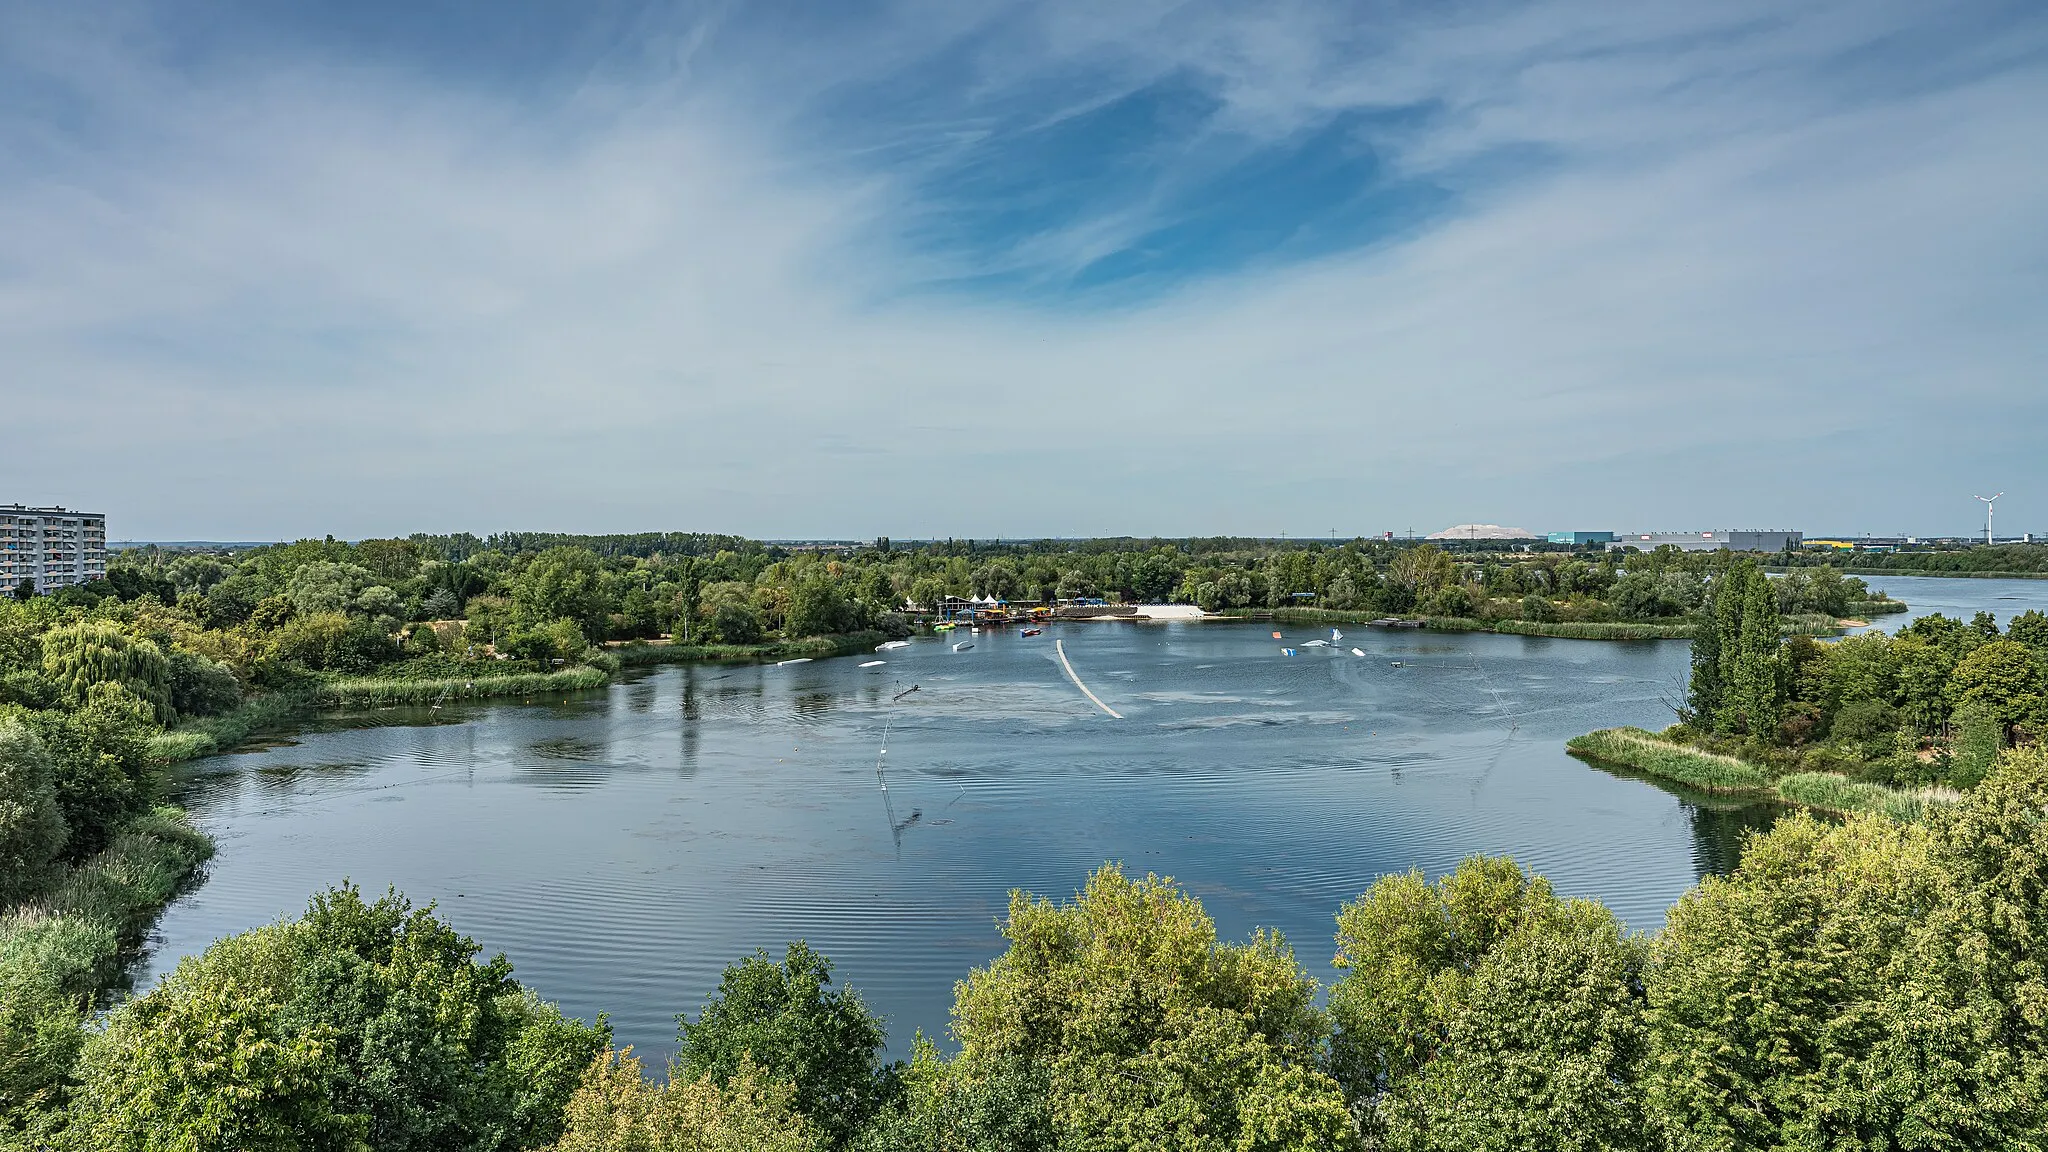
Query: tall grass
{"points": [[224, 732], [641, 654], [1589, 630], [1648, 754], [78, 929], [1829, 792], [373, 692], [1864, 609]]}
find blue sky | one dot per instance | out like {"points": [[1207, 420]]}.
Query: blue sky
{"points": [[1023, 269]]}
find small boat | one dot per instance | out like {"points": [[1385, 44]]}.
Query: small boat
{"points": [[1335, 635], [891, 645], [1031, 631], [1358, 651], [1395, 622], [962, 646], [1289, 652], [1316, 644], [1276, 635], [946, 627], [1395, 664], [874, 663], [798, 660]]}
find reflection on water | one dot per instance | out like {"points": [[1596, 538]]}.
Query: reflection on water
{"points": [[622, 846]]}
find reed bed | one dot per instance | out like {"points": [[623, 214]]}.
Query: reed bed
{"points": [[79, 929], [1592, 630], [1864, 609], [223, 733], [1647, 753], [1829, 792], [373, 692]]}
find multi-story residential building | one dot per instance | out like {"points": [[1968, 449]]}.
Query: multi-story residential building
{"points": [[53, 547]]}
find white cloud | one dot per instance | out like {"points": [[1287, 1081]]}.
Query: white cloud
{"points": [[305, 294]]}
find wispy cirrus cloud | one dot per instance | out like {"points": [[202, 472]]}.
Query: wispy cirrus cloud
{"points": [[766, 270]]}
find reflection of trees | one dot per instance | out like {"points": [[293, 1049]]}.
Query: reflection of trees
{"points": [[1719, 830]]}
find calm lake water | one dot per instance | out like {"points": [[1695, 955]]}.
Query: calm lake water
{"points": [[624, 845]]}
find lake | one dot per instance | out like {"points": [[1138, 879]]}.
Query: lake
{"points": [[624, 845]]}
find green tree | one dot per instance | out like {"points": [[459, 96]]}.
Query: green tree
{"points": [[1150, 1033], [561, 583], [817, 608], [2029, 628], [325, 586], [1484, 1012], [2002, 678], [1751, 668], [1809, 1001], [785, 1018], [363, 1024], [1979, 736], [32, 828], [79, 656], [100, 767], [615, 1109]]}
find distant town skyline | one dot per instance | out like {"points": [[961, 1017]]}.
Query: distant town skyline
{"points": [[1050, 269]]}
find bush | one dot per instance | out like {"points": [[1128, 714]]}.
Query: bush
{"points": [[783, 1017], [201, 687], [362, 1023], [32, 828]]}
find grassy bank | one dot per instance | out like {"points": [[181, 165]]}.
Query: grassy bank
{"points": [[643, 654], [59, 955], [1652, 755], [1865, 609], [220, 733], [1647, 753], [373, 692]]}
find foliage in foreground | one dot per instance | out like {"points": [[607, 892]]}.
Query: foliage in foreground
{"points": [[1855, 985], [362, 1024]]}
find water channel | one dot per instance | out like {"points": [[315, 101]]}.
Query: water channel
{"points": [[624, 845]]}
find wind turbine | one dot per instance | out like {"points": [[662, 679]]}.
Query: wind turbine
{"points": [[1990, 505]]}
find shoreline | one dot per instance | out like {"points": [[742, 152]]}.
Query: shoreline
{"points": [[1648, 754]]}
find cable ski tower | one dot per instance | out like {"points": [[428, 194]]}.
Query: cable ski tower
{"points": [[1990, 505]]}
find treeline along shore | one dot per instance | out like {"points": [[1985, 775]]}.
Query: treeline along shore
{"points": [[1892, 723]]}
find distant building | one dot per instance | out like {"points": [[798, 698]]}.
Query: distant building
{"points": [[54, 547], [1483, 532], [1577, 538], [1735, 540]]}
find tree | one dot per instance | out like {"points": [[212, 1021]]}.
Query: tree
{"points": [[79, 656], [325, 586], [1811, 1000], [25, 590], [361, 1024], [561, 583], [1484, 1012], [786, 1019], [32, 828], [615, 1109], [2029, 628], [1750, 667], [2002, 678], [817, 608], [1148, 1031], [100, 767]]}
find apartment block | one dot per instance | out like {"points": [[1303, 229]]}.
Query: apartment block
{"points": [[54, 547]]}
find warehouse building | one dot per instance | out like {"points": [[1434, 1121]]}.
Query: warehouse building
{"points": [[51, 547], [1735, 540]]}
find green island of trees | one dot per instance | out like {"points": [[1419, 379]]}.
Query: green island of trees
{"points": [[1856, 984], [1873, 720]]}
